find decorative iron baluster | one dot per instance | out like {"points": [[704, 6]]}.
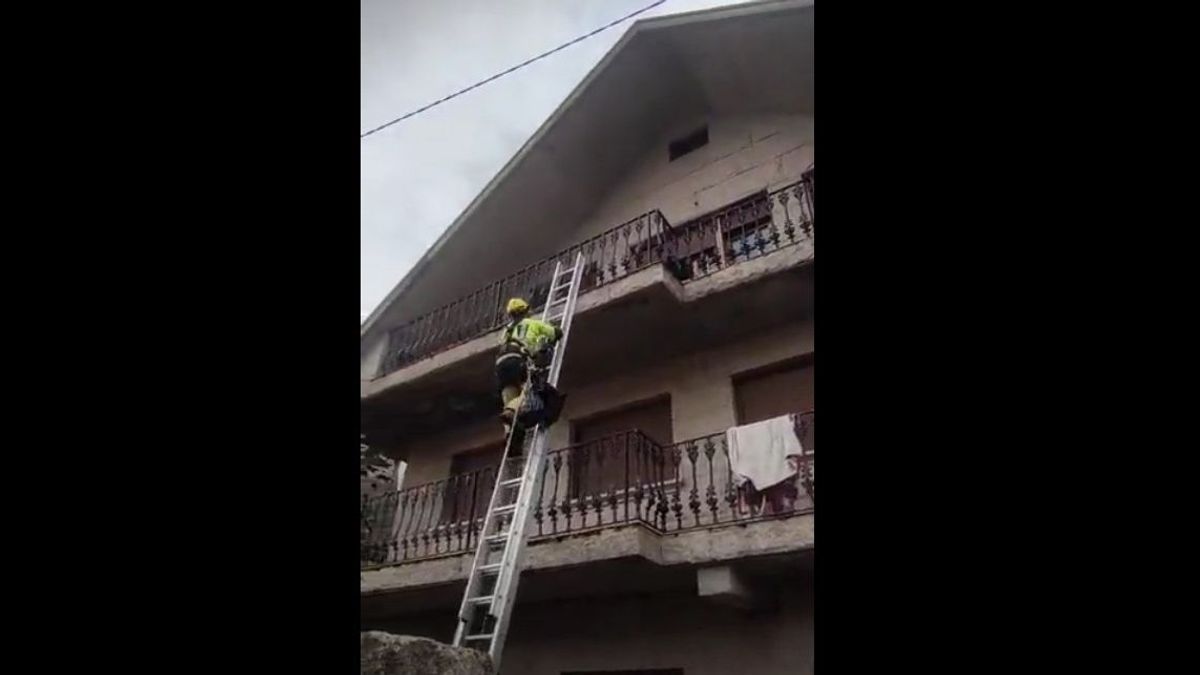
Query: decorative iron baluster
{"points": [[625, 483], [788, 228], [642, 470], [468, 317], [496, 311], [537, 509], [390, 547], [441, 532], [460, 518], [406, 523], [598, 492], [731, 493], [454, 530], [553, 511], [709, 258], [660, 465], [587, 280], [433, 521], [745, 236], [454, 322], [801, 424], [805, 197], [422, 534], [612, 484], [392, 540], [638, 253], [438, 529], [573, 486], [612, 264], [440, 324], [410, 546], [424, 334], [676, 457], [420, 531], [402, 524], [693, 453], [711, 491], [660, 240], [601, 278], [625, 250], [473, 481], [585, 497]]}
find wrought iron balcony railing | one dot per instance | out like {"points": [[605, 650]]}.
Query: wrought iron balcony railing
{"points": [[619, 479], [753, 227]]}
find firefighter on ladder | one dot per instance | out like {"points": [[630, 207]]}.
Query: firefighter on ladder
{"points": [[526, 348]]}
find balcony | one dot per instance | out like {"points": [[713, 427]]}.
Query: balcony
{"points": [[752, 228], [622, 479]]}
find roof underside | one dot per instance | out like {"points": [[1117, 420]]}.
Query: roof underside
{"points": [[740, 60]]}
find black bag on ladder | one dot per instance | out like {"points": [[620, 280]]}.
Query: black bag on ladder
{"points": [[532, 409], [552, 402]]}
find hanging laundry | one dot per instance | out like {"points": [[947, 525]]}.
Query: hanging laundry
{"points": [[764, 458]]}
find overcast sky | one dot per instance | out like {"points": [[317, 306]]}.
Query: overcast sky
{"points": [[418, 175]]}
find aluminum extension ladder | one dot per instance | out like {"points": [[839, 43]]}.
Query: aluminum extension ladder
{"points": [[492, 586]]}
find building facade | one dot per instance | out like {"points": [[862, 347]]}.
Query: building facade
{"points": [[682, 167]]}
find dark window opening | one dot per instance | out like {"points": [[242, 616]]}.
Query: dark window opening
{"points": [[680, 147]]}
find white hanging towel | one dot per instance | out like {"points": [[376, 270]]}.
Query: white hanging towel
{"points": [[765, 453]]}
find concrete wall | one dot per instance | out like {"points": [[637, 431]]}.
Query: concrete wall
{"points": [[665, 630], [371, 357], [744, 155], [680, 631], [430, 457], [700, 386]]}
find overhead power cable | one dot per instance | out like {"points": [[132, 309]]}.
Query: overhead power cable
{"points": [[499, 75]]}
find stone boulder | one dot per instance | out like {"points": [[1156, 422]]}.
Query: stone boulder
{"points": [[386, 654]]}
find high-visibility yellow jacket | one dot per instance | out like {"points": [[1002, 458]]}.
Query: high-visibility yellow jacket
{"points": [[533, 335]]}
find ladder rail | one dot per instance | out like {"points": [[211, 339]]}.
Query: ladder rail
{"points": [[499, 602], [506, 583]]}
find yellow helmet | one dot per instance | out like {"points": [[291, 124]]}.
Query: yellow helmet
{"points": [[516, 306]]}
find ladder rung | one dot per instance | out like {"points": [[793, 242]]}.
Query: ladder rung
{"points": [[569, 270], [502, 536], [488, 569], [511, 482], [481, 599], [479, 636], [504, 510]]}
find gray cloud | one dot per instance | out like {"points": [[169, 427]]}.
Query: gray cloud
{"points": [[418, 175]]}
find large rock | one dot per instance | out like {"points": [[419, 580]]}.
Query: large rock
{"points": [[386, 654]]}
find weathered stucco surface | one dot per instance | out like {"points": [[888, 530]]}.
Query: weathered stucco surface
{"points": [[745, 153], [700, 386], [386, 654], [645, 631], [634, 283], [691, 547]]}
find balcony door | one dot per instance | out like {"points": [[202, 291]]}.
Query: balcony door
{"points": [[472, 477], [604, 458]]}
